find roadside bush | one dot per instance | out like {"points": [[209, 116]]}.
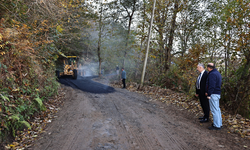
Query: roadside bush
{"points": [[236, 91], [27, 55], [26, 80]]}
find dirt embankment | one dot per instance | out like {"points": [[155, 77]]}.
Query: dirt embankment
{"points": [[124, 120]]}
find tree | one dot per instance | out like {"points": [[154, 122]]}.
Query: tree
{"points": [[100, 37], [190, 24], [169, 46], [125, 9], [237, 17], [161, 27]]}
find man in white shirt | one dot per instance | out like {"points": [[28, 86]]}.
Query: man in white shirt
{"points": [[201, 90]]}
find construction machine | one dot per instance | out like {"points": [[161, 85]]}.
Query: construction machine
{"points": [[69, 67]]}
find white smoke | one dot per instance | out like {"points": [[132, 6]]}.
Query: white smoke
{"points": [[90, 69]]}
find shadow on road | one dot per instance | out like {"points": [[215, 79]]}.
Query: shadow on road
{"points": [[86, 84]]}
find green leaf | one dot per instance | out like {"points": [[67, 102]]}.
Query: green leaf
{"points": [[14, 117], [5, 97], [26, 124], [39, 101]]}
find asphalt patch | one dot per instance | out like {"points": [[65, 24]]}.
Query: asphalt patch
{"points": [[86, 84]]}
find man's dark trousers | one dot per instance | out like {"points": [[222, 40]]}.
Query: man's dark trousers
{"points": [[203, 98], [204, 105], [123, 82]]}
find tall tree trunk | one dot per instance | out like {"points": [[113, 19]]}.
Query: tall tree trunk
{"points": [[130, 15], [126, 45], [214, 46], [142, 38], [161, 53], [225, 59], [87, 51], [143, 23], [171, 36], [100, 42], [227, 48]]}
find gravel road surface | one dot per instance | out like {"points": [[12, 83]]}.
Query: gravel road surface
{"points": [[99, 117]]}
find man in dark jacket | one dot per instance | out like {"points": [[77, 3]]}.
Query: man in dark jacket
{"points": [[201, 90], [117, 70], [213, 93], [123, 78]]}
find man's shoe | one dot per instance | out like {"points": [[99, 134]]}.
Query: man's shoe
{"points": [[204, 120], [220, 127], [214, 128], [200, 118]]}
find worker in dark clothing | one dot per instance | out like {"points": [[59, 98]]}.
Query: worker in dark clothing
{"points": [[123, 78]]}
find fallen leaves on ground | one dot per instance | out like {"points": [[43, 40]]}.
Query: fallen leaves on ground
{"points": [[26, 138], [234, 123]]}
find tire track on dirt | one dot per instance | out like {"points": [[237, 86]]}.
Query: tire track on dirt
{"points": [[131, 135], [74, 127], [149, 119], [174, 143], [143, 136], [65, 131]]}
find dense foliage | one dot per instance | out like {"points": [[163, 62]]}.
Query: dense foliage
{"points": [[30, 32], [26, 66]]}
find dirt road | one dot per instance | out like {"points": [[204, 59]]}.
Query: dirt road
{"points": [[123, 120]]}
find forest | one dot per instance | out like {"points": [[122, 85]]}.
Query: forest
{"points": [[107, 33]]}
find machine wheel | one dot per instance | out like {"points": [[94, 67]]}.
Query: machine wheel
{"points": [[57, 74], [74, 74]]}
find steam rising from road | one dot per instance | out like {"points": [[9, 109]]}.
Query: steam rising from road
{"points": [[90, 69]]}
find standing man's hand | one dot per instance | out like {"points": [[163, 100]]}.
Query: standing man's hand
{"points": [[196, 95], [206, 94]]}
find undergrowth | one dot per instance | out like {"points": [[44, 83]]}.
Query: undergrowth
{"points": [[27, 79]]}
